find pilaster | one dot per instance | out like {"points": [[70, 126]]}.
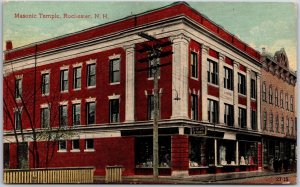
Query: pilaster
{"points": [[221, 88], [180, 76], [129, 83], [248, 88], [258, 82], [235, 93], [204, 82]]}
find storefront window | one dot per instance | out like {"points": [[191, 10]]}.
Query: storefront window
{"points": [[199, 151], [226, 152], [247, 153], [144, 152]]}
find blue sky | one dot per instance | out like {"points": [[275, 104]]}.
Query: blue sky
{"points": [[269, 24]]}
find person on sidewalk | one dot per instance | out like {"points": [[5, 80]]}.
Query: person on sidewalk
{"points": [[275, 165]]}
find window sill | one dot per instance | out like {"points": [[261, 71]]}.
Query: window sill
{"points": [[89, 150], [152, 78], [91, 87], [76, 89], [62, 151], [194, 78], [114, 83], [65, 91], [75, 150], [243, 95], [212, 84], [46, 94]]}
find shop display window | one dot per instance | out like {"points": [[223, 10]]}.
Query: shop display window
{"points": [[247, 153], [144, 152], [200, 152], [226, 152]]}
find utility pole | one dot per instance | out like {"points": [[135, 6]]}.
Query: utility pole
{"points": [[154, 53]]}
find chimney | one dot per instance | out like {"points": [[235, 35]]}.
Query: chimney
{"points": [[263, 50], [9, 45]]}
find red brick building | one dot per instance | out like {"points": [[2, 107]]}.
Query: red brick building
{"points": [[278, 107], [89, 87]]}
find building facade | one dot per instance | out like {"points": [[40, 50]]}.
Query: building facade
{"points": [[278, 108], [84, 100]]}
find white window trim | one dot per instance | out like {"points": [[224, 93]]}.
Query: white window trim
{"points": [[90, 99], [114, 56], [62, 150], [114, 83], [76, 65], [76, 101], [45, 105], [152, 78], [110, 97], [64, 67], [91, 61]]}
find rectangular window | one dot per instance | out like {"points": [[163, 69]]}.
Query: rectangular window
{"points": [[45, 117], [194, 64], [64, 80], [152, 69], [76, 114], [150, 107], [265, 121], [242, 84], [228, 115], [287, 101], [228, 78], [75, 144], [45, 83], [277, 124], [213, 111], [287, 126], [271, 122], [194, 107], [91, 108], [253, 120], [114, 70], [77, 78], [292, 103], [253, 89], [18, 88], [62, 145], [91, 75], [63, 115], [242, 118], [281, 99], [212, 72], [89, 144], [18, 119], [276, 97], [270, 95], [114, 110], [282, 125], [264, 95]]}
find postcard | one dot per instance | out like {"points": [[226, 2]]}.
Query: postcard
{"points": [[149, 92]]}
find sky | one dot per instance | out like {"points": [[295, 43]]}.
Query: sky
{"points": [[272, 25]]}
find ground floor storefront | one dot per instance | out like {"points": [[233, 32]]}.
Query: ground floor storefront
{"points": [[182, 151], [281, 149]]}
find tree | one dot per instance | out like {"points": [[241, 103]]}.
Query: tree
{"points": [[23, 103]]}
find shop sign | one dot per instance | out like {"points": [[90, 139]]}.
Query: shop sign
{"points": [[199, 130]]}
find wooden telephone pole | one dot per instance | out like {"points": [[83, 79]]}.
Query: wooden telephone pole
{"points": [[154, 53]]}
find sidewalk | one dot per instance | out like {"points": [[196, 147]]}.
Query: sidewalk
{"points": [[195, 179]]}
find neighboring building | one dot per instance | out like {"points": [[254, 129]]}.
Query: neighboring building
{"points": [[278, 107], [90, 83]]}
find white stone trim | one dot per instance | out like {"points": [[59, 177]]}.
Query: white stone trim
{"points": [[76, 101], [89, 150], [212, 58], [242, 106], [75, 150], [46, 71], [63, 103], [45, 105], [90, 99], [91, 61], [64, 67], [77, 64], [113, 97], [213, 98], [19, 76], [114, 83], [114, 56]]}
